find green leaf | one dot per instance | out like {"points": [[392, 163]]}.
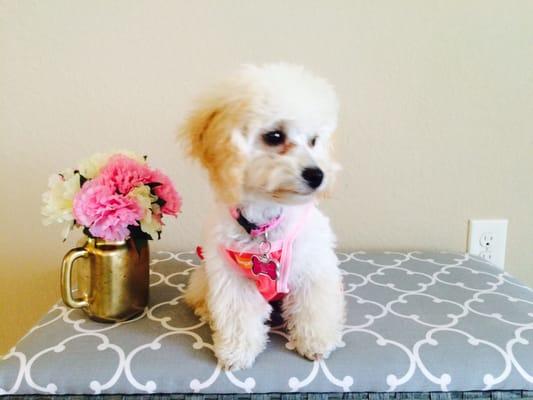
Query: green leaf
{"points": [[137, 233], [87, 233], [139, 238], [139, 244], [82, 180], [160, 202]]}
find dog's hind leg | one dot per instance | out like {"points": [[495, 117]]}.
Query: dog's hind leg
{"points": [[196, 293]]}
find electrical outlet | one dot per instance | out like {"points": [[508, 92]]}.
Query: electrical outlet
{"points": [[487, 255], [487, 239]]}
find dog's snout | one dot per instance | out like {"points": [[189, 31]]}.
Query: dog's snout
{"points": [[313, 176]]}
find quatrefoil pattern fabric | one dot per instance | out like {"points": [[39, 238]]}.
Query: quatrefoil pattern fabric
{"points": [[416, 322]]}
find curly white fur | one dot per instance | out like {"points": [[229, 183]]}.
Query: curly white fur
{"points": [[226, 133]]}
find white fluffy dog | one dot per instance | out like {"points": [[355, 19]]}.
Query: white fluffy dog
{"points": [[264, 138]]}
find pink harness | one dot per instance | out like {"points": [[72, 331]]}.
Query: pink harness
{"points": [[268, 263]]}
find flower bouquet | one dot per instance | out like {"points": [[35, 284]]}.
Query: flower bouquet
{"points": [[112, 197], [119, 202]]}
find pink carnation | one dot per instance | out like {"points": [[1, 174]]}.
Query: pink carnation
{"points": [[167, 193], [124, 173], [106, 213]]}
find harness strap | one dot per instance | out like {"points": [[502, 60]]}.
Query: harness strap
{"points": [[286, 253], [281, 251]]}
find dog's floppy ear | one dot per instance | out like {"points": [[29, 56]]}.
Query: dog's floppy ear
{"points": [[211, 132]]}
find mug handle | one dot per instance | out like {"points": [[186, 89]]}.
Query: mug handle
{"points": [[66, 277]]}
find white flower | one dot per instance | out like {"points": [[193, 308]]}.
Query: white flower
{"points": [[58, 199], [149, 224], [132, 155], [90, 167], [143, 197]]}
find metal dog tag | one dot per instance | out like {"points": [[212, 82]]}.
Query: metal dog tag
{"points": [[265, 264]]}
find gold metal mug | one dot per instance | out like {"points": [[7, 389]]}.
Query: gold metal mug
{"points": [[117, 283]]}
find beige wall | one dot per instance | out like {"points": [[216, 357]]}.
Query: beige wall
{"points": [[436, 124]]}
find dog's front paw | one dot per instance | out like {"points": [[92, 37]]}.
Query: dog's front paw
{"points": [[315, 348], [236, 359], [237, 354]]}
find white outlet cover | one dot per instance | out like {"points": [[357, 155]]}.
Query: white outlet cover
{"points": [[493, 229]]}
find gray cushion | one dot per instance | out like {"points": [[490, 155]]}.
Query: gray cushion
{"points": [[416, 322]]}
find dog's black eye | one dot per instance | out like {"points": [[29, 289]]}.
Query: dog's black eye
{"points": [[312, 142], [274, 138]]}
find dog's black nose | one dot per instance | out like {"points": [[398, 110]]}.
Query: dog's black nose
{"points": [[313, 176]]}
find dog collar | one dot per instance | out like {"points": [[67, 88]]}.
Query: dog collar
{"points": [[250, 227]]}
